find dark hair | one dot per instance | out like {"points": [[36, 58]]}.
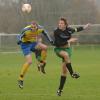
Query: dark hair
{"points": [[64, 20]]}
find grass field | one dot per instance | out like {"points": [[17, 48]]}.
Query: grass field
{"points": [[86, 60]]}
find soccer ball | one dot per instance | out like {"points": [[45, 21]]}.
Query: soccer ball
{"points": [[26, 8]]}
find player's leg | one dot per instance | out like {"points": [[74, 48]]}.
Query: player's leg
{"points": [[69, 65], [38, 57], [40, 62], [66, 56], [26, 48], [38, 54], [62, 79], [43, 49], [41, 54], [25, 66], [63, 55], [24, 69], [66, 65]]}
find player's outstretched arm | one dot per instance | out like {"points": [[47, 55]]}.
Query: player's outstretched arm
{"points": [[87, 26]]}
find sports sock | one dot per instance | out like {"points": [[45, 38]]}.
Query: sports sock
{"points": [[23, 71], [62, 82], [38, 55], [69, 67], [43, 55]]}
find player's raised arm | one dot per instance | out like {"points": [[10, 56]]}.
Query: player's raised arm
{"points": [[79, 28]]}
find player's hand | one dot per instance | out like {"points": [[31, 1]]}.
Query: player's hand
{"points": [[87, 26], [72, 40]]}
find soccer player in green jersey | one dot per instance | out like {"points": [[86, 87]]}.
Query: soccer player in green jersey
{"points": [[62, 35]]}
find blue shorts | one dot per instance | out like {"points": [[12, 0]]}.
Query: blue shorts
{"points": [[27, 48]]}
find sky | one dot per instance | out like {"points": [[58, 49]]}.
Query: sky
{"points": [[98, 3]]}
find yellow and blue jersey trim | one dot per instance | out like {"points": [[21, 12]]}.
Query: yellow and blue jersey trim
{"points": [[28, 35]]}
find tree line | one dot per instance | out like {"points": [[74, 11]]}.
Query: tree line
{"points": [[46, 12]]}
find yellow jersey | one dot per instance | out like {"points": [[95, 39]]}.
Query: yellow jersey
{"points": [[29, 35]]}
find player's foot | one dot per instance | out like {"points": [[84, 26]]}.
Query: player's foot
{"points": [[75, 75], [20, 84], [41, 67], [59, 92]]}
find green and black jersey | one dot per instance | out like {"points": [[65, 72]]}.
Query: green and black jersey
{"points": [[61, 37]]}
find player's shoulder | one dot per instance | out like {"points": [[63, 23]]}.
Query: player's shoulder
{"points": [[40, 27], [56, 29], [27, 28]]}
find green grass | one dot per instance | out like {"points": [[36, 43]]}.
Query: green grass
{"points": [[86, 60]]}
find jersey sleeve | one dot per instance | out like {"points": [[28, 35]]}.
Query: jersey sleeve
{"points": [[77, 29], [45, 33], [22, 33]]}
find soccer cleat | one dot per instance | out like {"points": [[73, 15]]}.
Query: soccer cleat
{"points": [[41, 67], [20, 84], [59, 92], [75, 75]]}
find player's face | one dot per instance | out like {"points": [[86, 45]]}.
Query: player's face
{"points": [[61, 25], [34, 27]]}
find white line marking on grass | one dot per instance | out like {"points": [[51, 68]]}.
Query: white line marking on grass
{"points": [[10, 52], [32, 94], [27, 94]]}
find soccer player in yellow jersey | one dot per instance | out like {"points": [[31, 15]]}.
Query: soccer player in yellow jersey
{"points": [[28, 41]]}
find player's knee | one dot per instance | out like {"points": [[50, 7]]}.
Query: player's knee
{"points": [[45, 47], [29, 62], [64, 72], [66, 58]]}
